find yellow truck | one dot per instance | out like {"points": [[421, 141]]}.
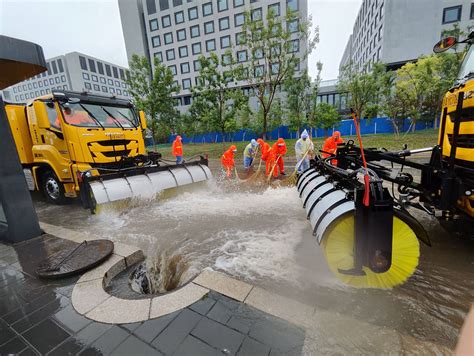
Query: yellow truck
{"points": [[77, 144]]}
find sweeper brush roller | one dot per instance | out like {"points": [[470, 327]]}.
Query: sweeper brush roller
{"points": [[368, 247]]}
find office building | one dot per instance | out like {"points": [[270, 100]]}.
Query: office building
{"points": [[72, 71], [397, 31], [177, 32]]}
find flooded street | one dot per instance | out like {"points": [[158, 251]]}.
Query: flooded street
{"points": [[263, 237]]}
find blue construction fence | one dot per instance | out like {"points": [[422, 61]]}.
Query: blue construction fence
{"points": [[374, 126]]}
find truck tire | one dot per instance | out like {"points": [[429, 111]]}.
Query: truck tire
{"points": [[53, 189]]}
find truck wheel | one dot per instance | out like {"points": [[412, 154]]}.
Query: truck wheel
{"points": [[53, 189]]}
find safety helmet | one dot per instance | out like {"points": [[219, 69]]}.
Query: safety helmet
{"points": [[281, 142], [260, 142]]}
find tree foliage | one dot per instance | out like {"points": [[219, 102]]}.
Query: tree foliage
{"points": [[326, 116], [153, 95], [269, 50], [296, 105], [215, 100]]}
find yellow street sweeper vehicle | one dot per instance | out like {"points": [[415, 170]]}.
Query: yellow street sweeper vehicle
{"points": [[367, 233], [78, 144]]}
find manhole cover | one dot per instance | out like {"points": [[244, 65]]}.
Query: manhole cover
{"points": [[75, 260]]}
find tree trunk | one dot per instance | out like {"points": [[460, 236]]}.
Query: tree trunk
{"points": [[265, 124]]}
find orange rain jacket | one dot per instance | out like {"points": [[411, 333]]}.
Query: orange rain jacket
{"points": [[277, 153], [330, 145], [227, 158], [177, 148]]}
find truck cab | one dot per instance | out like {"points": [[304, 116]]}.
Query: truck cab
{"points": [[61, 135]]}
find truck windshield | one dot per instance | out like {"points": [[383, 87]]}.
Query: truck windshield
{"points": [[467, 67], [100, 116]]}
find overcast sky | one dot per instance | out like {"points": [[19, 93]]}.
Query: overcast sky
{"points": [[93, 27]]}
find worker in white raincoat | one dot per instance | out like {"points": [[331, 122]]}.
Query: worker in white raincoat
{"points": [[304, 150]]}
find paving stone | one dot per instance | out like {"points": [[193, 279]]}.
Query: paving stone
{"points": [[240, 324], [28, 352], [45, 336], [223, 284], [131, 326], [10, 302], [92, 332], [251, 347], [176, 300], [90, 351], [170, 339], [5, 333], [133, 346], [220, 313], [278, 334], [111, 267], [218, 336], [203, 306], [281, 307], [71, 319], [88, 295], [110, 340], [194, 347], [151, 328], [69, 347], [118, 311], [40, 315], [12, 347]]}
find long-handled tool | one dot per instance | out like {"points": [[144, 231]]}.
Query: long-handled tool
{"points": [[291, 180], [273, 169]]}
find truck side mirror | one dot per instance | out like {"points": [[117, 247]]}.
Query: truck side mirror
{"points": [[142, 119], [41, 114]]}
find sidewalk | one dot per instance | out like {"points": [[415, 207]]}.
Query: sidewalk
{"points": [[37, 317]]}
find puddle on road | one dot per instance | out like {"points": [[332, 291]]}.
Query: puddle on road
{"points": [[261, 235]]}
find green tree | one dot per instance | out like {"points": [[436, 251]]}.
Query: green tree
{"points": [[296, 104], [269, 50], [215, 98], [390, 102], [152, 93], [362, 86], [326, 117]]}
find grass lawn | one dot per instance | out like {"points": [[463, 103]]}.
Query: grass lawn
{"points": [[425, 138]]}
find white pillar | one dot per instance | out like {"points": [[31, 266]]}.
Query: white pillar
{"points": [[375, 128]]}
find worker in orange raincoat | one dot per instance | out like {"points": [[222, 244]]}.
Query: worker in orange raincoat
{"points": [[177, 149], [330, 145], [227, 160], [276, 158], [266, 151]]}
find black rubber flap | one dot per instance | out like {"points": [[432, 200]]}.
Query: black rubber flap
{"points": [[75, 260]]}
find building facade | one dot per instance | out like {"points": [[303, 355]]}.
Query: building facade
{"points": [[397, 31], [72, 71], [177, 32]]}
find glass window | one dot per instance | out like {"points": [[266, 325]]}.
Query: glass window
{"points": [[181, 35], [222, 5], [293, 26], [122, 74], [239, 19], [197, 65], [156, 41], [94, 78], [177, 3], [57, 80], [119, 91], [55, 68], [207, 9], [104, 89], [100, 67], [209, 27], [92, 65], [210, 45], [258, 53], [164, 5], [173, 69], [292, 5], [240, 38], [242, 56], [179, 17], [83, 63], [472, 12], [294, 46], [452, 14], [224, 23], [196, 48], [185, 68], [45, 83], [256, 14], [225, 41], [52, 115], [159, 55], [193, 13], [102, 80], [259, 70], [194, 31], [168, 38], [85, 76], [153, 25], [107, 70], [117, 83], [226, 59], [166, 21], [40, 84], [275, 50], [110, 81], [187, 100], [170, 55], [186, 83], [274, 9], [275, 68], [151, 6], [115, 71], [35, 85], [238, 3], [96, 87], [183, 51]]}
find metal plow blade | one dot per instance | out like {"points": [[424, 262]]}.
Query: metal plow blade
{"points": [[143, 184]]}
